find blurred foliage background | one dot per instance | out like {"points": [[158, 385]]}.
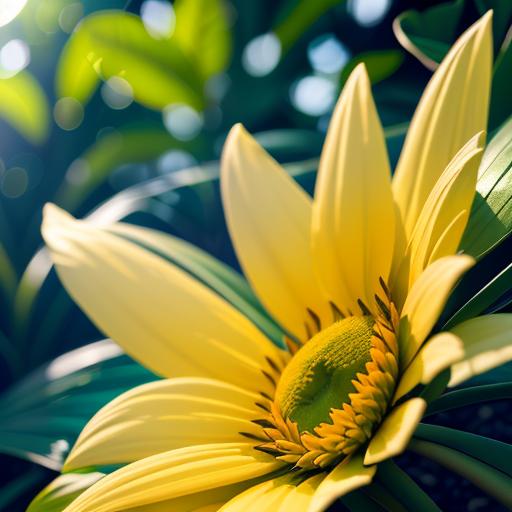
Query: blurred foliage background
{"points": [[118, 109]]}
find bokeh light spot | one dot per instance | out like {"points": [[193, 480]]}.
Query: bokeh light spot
{"points": [[313, 95], [368, 12], [174, 160], [182, 121], [117, 93], [70, 16], [68, 113], [14, 182], [9, 9], [158, 18], [14, 56], [261, 55], [327, 54]]}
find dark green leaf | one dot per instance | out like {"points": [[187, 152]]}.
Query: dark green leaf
{"points": [[501, 99], [490, 480], [490, 451], [403, 488], [469, 396], [429, 34], [43, 414], [380, 64]]}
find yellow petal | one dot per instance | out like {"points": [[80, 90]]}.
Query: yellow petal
{"points": [[175, 474], [436, 355], [269, 219], [396, 430], [353, 213], [160, 315], [277, 495], [453, 108], [487, 343], [162, 416], [345, 477], [426, 300], [453, 193]]}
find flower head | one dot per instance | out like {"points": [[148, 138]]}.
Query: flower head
{"points": [[356, 279]]}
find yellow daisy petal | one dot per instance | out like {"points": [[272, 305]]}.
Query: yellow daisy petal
{"points": [[175, 474], [436, 355], [453, 108], [269, 219], [162, 416], [395, 431], [167, 320], [426, 300], [444, 216], [276, 495], [487, 343], [353, 213], [345, 477]]}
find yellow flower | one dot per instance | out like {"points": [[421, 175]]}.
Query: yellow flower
{"points": [[357, 277]]}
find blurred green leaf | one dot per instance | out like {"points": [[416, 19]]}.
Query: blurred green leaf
{"points": [[122, 146], [62, 491], [202, 32], [429, 34], [23, 104], [116, 43], [380, 64], [8, 276], [43, 414], [298, 17], [28, 482], [502, 14], [491, 214]]}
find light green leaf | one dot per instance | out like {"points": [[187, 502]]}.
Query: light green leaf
{"points": [[380, 64], [43, 414], [202, 32], [125, 145], [116, 43], [56, 496], [429, 34], [491, 215], [23, 104]]}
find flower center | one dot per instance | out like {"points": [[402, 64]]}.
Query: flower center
{"points": [[319, 377]]}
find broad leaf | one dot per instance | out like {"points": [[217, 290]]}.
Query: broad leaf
{"points": [[43, 414], [380, 64], [202, 32], [429, 34], [23, 104], [116, 43]]}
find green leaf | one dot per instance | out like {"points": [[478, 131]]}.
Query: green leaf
{"points": [[429, 34], [43, 414], [490, 480], [469, 396], [380, 64], [123, 146], [491, 214], [502, 16], [211, 272], [202, 32], [490, 451], [116, 43], [62, 491], [298, 17], [404, 489], [23, 104], [501, 99]]}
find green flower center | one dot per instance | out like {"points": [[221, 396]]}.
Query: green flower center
{"points": [[319, 377]]}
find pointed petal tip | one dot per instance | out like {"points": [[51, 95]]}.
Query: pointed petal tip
{"points": [[53, 217]]}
